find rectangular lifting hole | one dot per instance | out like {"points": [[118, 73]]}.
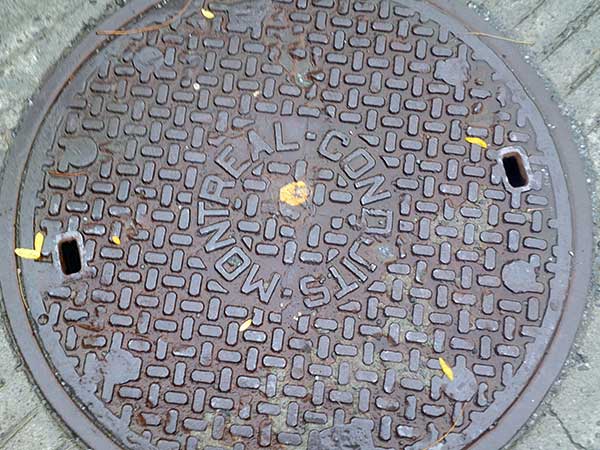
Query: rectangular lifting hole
{"points": [[515, 170], [70, 258]]}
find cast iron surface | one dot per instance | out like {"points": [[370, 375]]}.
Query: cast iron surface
{"points": [[412, 244]]}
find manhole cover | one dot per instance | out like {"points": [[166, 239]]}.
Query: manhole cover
{"points": [[272, 227]]}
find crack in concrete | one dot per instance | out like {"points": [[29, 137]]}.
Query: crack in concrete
{"points": [[586, 73], [5, 438], [566, 430], [571, 28], [534, 10]]}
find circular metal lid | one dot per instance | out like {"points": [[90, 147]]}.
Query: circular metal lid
{"points": [[294, 224]]}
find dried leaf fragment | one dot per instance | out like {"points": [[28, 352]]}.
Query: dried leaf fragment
{"points": [[294, 194], [502, 38], [476, 141], [38, 242], [245, 325], [115, 240], [447, 433], [207, 13], [446, 369], [35, 252]]}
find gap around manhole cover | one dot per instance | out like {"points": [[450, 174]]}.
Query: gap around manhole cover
{"points": [[272, 228]]}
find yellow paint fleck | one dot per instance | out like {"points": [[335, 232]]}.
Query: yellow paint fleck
{"points": [[446, 369], [294, 194], [115, 240], [476, 141], [245, 325], [207, 13], [35, 252]]}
